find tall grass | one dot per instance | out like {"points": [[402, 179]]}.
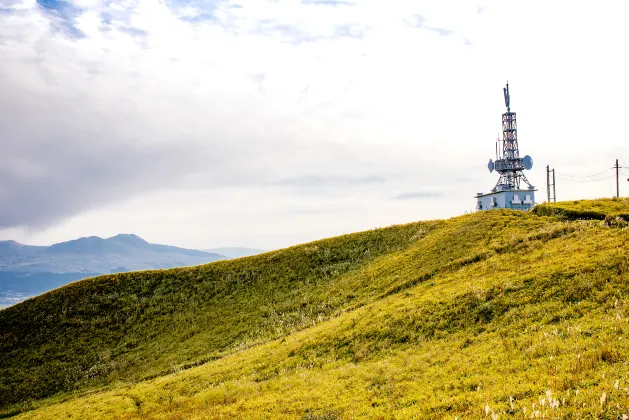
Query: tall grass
{"points": [[495, 314], [132, 326]]}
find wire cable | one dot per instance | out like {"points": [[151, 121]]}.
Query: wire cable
{"points": [[585, 176], [586, 180]]}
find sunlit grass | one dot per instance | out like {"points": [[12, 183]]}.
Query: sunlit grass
{"points": [[493, 315]]}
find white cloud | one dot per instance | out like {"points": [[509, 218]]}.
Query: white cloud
{"points": [[220, 103]]}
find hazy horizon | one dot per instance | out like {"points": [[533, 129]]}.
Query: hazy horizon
{"points": [[205, 249]]}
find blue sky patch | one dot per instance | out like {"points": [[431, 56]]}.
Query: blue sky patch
{"points": [[63, 15], [204, 9], [53, 4]]}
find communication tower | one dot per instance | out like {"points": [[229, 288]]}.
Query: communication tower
{"points": [[513, 190]]}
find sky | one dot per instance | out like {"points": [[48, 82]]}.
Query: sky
{"points": [[269, 123]]}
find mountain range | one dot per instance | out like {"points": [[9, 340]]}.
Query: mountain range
{"points": [[124, 252], [27, 270]]}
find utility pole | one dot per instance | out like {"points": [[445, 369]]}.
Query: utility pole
{"points": [[548, 184], [548, 181], [617, 178], [554, 188]]}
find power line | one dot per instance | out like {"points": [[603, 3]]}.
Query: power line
{"points": [[591, 180], [584, 176], [586, 180]]}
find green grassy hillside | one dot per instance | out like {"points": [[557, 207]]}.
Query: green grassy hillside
{"points": [[127, 327], [497, 313]]}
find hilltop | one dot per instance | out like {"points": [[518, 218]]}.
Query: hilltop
{"points": [[497, 313]]}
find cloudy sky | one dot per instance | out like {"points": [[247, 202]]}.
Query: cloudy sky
{"points": [[272, 122]]}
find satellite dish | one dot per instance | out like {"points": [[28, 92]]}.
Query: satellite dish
{"points": [[490, 165], [527, 162]]}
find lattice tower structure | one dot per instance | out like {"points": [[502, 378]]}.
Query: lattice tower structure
{"points": [[509, 164]]}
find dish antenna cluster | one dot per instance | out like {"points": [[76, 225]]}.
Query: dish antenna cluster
{"points": [[509, 191]]}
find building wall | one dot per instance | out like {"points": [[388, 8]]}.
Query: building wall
{"points": [[514, 199]]}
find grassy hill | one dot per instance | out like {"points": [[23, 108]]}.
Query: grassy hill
{"points": [[498, 313]]}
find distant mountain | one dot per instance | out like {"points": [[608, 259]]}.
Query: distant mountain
{"points": [[97, 255], [235, 252], [15, 249], [27, 270]]}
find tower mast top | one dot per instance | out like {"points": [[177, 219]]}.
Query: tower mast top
{"points": [[505, 90]]}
